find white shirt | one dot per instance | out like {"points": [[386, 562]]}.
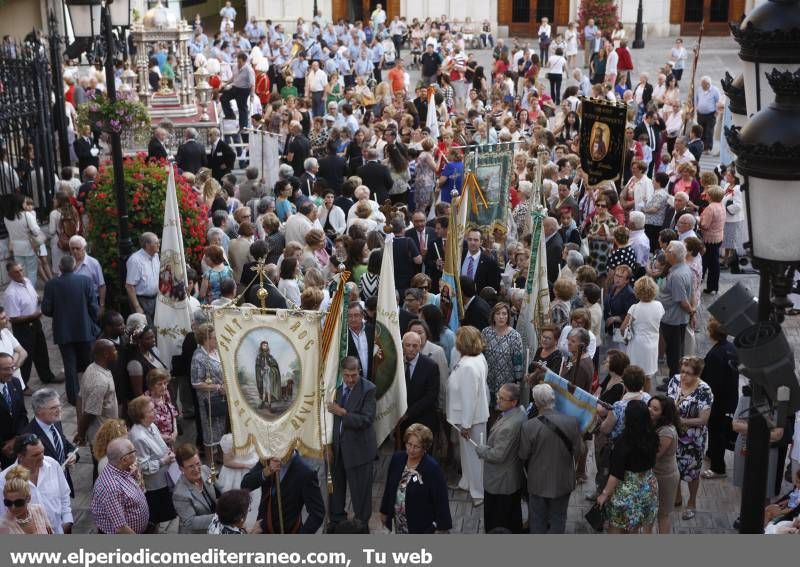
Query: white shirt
{"points": [[611, 63], [642, 192], [8, 342], [52, 493], [317, 81], [143, 271], [362, 346]]}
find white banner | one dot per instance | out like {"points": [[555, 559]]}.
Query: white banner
{"points": [[264, 150], [272, 376], [172, 318], [388, 373]]}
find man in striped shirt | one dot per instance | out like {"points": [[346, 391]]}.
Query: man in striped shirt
{"points": [[118, 502]]}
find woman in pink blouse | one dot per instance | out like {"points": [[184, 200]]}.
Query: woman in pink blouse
{"points": [[166, 414], [712, 223]]}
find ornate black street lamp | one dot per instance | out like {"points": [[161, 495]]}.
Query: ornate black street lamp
{"points": [[638, 38]]}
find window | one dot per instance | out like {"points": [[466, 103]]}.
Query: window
{"points": [[521, 11], [546, 9]]}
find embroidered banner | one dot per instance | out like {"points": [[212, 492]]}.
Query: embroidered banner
{"points": [[602, 139]]}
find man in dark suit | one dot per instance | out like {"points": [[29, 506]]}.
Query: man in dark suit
{"points": [[476, 310], [156, 148], [297, 148], [46, 425], [478, 265], [275, 299], [553, 247], [191, 154], [332, 168], [71, 301], [422, 386], [13, 416], [221, 157], [649, 126], [376, 176], [424, 237], [83, 149], [568, 231], [309, 177], [299, 489], [407, 257], [354, 443], [360, 339]]}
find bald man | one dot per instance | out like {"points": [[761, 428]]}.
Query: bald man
{"points": [[97, 392], [422, 385], [119, 505]]}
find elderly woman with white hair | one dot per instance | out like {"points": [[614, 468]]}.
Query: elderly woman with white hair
{"points": [[362, 193], [637, 238]]}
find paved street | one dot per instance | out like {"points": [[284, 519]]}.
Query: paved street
{"points": [[718, 501]]}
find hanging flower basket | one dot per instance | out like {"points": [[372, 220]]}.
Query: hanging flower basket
{"points": [[119, 116]]}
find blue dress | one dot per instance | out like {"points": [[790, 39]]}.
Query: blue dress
{"points": [[454, 172]]}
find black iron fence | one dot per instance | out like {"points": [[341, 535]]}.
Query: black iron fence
{"points": [[28, 162]]}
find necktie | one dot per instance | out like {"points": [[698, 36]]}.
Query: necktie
{"points": [[57, 446], [7, 397], [471, 268], [421, 241], [408, 372], [345, 397], [650, 135]]}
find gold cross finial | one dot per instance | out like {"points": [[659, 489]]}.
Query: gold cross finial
{"points": [[261, 269]]}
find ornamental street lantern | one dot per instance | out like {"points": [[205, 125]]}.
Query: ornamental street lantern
{"points": [[120, 12], [734, 91], [85, 17], [769, 37], [768, 153]]}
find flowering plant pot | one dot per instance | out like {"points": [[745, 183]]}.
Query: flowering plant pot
{"points": [[146, 189], [104, 115]]}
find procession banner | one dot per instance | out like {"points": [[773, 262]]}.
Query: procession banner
{"points": [[602, 139], [333, 350], [449, 288], [389, 375], [264, 152], [431, 120], [270, 360], [535, 309], [488, 209], [571, 400], [173, 317]]}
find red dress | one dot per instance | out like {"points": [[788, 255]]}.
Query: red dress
{"points": [[625, 62]]}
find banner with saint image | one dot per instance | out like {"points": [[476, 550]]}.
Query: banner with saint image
{"points": [[270, 361], [488, 206], [602, 139]]}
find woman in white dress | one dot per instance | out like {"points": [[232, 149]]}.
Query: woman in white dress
{"points": [[643, 319], [468, 407], [571, 37]]}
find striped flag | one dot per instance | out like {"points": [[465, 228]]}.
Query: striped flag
{"points": [[334, 349], [389, 372], [535, 310], [172, 318]]}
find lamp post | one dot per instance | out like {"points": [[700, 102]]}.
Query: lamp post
{"points": [[93, 17], [638, 39], [767, 150]]}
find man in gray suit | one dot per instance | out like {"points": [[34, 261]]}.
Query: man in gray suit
{"points": [[354, 444], [549, 445], [502, 475]]}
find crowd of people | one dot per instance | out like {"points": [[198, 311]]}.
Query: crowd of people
{"points": [[626, 265]]}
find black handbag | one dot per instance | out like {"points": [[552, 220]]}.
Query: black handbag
{"points": [[596, 517]]}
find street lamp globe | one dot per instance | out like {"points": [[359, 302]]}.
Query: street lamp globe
{"points": [[769, 37], [85, 17], [120, 12], [768, 150]]}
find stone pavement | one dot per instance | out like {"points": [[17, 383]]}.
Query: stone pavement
{"points": [[717, 506]]}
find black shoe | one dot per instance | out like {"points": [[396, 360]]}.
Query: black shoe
{"points": [[710, 291]]}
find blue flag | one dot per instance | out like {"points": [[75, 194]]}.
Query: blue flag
{"points": [[571, 400]]}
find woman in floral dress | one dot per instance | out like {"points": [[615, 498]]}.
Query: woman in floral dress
{"points": [[425, 180], [503, 352], [600, 236], [693, 397]]}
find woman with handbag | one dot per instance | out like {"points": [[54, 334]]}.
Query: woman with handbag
{"points": [[640, 328], [206, 374], [24, 235]]}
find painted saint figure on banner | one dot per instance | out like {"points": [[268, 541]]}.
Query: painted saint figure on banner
{"points": [[268, 372], [601, 138], [171, 283]]}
